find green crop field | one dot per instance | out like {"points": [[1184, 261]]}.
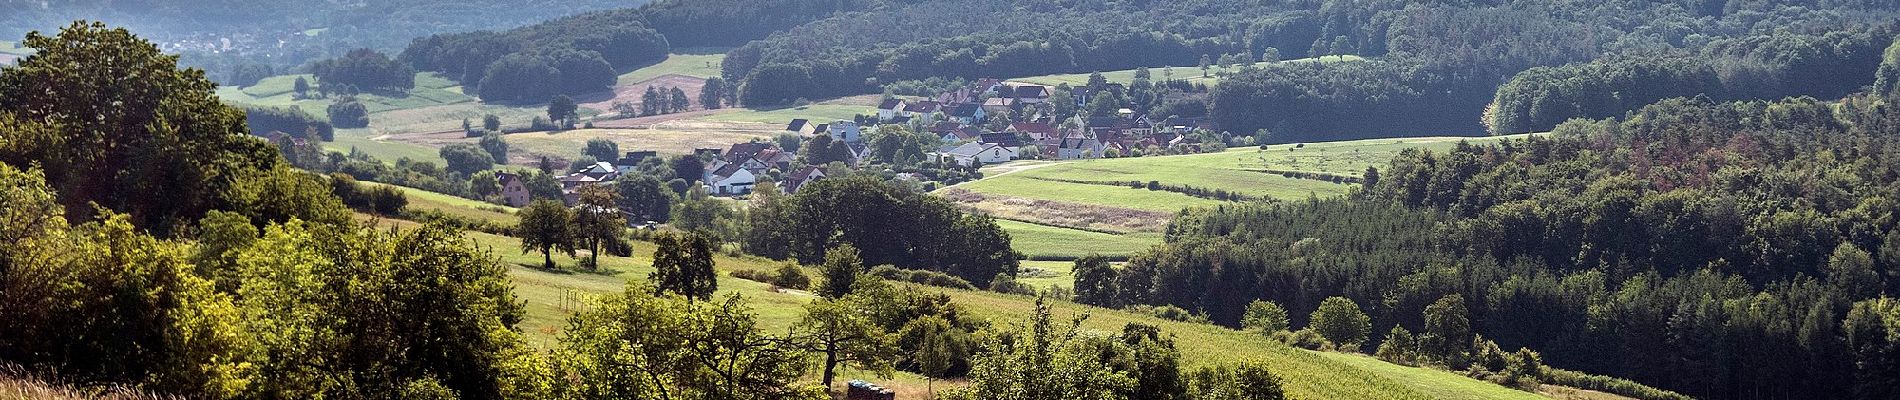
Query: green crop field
{"points": [[279, 91], [695, 65], [1054, 241], [1239, 170], [1190, 73], [815, 112]]}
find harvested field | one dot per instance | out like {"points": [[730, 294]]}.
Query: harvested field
{"points": [[1063, 214]]}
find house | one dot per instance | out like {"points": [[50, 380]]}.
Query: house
{"points": [[631, 161], [514, 191], [1009, 140], [890, 109], [1073, 148], [968, 113], [997, 105], [847, 131], [730, 180], [802, 128], [963, 134], [1035, 130], [803, 176], [968, 154], [1030, 94], [942, 128], [739, 153], [924, 111]]}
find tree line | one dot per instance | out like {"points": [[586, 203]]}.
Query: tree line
{"points": [[572, 55], [1717, 249]]}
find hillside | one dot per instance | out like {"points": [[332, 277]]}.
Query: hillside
{"points": [[1188, 73], [1053, 199], [551, 296]]}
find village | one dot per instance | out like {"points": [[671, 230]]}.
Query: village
{"points": [[984, 123]]}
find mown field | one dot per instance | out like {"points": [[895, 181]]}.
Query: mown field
{"points": [[694, 65], [1238, 170], [551, 296], [1190, 73], [1042, 241]]}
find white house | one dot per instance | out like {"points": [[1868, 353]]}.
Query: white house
{"points": [[889, 109], [987, 153], [730, 180], [1077, 148], [847, 131]]}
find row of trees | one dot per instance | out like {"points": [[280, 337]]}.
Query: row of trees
{"points": [[572, 55]]}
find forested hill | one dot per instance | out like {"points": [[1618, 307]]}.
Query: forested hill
{"points": [[1719, 249], [1441, 63], [233, 39]]}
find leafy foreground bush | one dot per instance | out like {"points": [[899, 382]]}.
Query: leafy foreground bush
{"points": [[922, 277]]}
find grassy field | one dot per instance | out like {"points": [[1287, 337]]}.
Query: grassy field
{"points": [[1190, 73], [816, 112], [1055, 241], [1236, 170], [457, 206], [695, 65], [279, 91]]}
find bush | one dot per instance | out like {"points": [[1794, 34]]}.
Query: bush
{"points": [[790, 276], [923, 277], [1168, 312], [753, 275], [1304, 338], [1004, 283]]}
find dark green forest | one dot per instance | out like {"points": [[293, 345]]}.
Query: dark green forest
{"points": [[1721, 249], [1439, 64]]}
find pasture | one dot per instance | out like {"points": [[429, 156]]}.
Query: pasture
{"points": [[1046, 241], [694, 65], [1189, 73], [1238, 170]]}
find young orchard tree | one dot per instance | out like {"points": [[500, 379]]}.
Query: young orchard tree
{"points": [[683, 264], [598, 222], [544, 227], [842, 267], [841, 330]]}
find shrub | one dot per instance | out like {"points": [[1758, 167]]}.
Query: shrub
{"points": [[923, 277], [753, 275], [1004, 283], [790, 276], [1304, 338], [1168, 312]]}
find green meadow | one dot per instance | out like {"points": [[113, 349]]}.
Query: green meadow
{"points": [[694, 65]]}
